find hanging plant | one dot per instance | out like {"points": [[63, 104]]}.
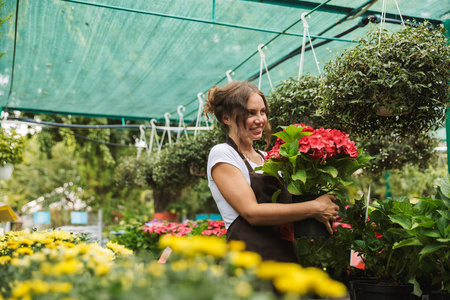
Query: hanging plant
{"points": [[177, 166], [11, 152], [393, 153], [296, 101], [398, 86], [181, 164], [11, 147]]}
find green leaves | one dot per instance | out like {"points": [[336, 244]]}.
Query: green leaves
{"points": [[269, 168], [295, 188], [408, 242], [402, 221], [390, 95], [432, 248], [329, 170], [300, 175], [296, 101], [275, 196], [11, 147]]}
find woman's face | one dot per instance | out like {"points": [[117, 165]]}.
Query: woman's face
{"points": [[257, 118]]}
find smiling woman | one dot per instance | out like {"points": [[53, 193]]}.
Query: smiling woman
{"points": [[244, 197]]}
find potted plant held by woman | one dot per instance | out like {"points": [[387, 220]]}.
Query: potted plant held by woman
{"points": [[311, 162], [11, 151]]}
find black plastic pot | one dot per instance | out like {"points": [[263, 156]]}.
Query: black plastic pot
{"points": [[370, 290], [439, 295], [309, 228]]}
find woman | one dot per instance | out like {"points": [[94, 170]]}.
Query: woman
{"points": [[244, 197]]}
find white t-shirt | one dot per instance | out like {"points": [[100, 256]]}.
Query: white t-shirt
{"points": [[224, 153]]}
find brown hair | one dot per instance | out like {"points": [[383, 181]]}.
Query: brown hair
{"points": [[232, 100]]}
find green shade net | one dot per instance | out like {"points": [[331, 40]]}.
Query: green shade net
{"points": [[140, 59]]}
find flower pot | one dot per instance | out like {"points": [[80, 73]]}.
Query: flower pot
{"points": [[309, 228], [382, 111], [370, 290], [439, 295], [6, 171]]}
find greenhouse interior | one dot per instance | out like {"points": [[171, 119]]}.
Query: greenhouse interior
{"points": [[224, 149]]}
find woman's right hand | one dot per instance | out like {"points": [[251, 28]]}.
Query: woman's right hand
{"points": [[327, 210]]}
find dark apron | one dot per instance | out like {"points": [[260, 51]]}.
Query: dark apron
{"points": [[271, 242]]}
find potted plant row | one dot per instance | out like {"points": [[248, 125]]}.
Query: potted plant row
{"points": [[404, 245]]}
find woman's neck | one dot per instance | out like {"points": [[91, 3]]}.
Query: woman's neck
{"points": [[244, 146]]}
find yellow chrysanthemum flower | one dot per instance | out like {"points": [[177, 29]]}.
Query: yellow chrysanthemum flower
{"points": [[293, 282], [38, 286], [156, 269], [216, 270], [71, 252], [119, 249], [245, 259], [243, 289], [61, 287], [195, 245], [127, 280], [179, 266], [45, 268], [239, 272], [101, 269], [17, 262], [68, 244], [60, 235], [23, 251], [71, 266], [51, 246], [329, 288], [272, 269], [21, 290], [5, 259], [12, 245], [38, 256], [236, 245], [25, 242], [201, 266]]}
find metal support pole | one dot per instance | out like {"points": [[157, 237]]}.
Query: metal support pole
{"points": [[447, 114], [100, 227], [447, 137]]}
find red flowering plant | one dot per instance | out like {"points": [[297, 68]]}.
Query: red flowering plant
{"points": [[313, 161], [188, 228]]}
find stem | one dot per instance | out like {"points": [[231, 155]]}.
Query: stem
{"points": [[388, 263]]}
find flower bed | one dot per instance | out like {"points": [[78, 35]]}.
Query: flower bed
{"points": [[60, 265]]}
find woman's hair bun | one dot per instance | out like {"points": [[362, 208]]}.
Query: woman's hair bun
{"points": [[209, 106]]}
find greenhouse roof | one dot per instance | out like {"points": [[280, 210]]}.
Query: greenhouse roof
{"points": [[141, 59]]}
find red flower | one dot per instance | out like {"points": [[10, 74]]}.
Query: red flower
{"points": [[306, 129]]}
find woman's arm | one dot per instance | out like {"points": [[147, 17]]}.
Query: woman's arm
{"points": [[235, 189]]}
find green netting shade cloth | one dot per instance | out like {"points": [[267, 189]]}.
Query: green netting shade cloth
{"points": [[141, 59]]}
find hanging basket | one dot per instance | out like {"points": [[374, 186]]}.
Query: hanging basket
{"points": [[399, 85], [6, 171], [383, 111], [309, 228]]}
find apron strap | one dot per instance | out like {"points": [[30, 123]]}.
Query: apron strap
{"points": [[230, 142]]}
